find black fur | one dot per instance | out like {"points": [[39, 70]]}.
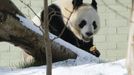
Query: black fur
{"points": [[77, 3], [94, 4], [56, 25]]}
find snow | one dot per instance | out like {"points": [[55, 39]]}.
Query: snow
{"points": [[84, 64], [29, 24], [112, 68]]}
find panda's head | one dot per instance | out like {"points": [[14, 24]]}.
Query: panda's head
{"points": [[84, 20]]}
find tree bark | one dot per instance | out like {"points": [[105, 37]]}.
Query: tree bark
{"points": [[12, 30], [45, 26], [130, 53]]}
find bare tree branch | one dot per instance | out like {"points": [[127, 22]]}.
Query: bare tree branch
{"points": [[30, 9]]}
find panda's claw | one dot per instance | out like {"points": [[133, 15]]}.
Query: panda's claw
{"points": [[94, 51]]}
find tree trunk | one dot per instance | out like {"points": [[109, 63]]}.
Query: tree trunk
{"points": [[12, 30], [130, 53], [46, 39]]}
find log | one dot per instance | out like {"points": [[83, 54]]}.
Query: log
{"points": [[12, 30]]}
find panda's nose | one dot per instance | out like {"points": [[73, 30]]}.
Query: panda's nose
{"points": [[89, 33]]}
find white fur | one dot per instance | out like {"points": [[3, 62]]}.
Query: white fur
{"points": [[84, 12]]}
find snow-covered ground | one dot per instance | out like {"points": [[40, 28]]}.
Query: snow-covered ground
{"points": [[84, 64], [69, 68]]}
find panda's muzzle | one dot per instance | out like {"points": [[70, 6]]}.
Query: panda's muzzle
{"points": [[87, 39]]}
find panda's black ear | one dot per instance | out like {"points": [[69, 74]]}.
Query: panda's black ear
{"points": [[94, 4], [77, 3]]}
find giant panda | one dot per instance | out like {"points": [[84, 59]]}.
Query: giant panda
{"points": [[80, 20]]}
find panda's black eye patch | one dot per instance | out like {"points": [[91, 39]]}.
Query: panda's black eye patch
{"points": [[82, 24], [94, 25]]}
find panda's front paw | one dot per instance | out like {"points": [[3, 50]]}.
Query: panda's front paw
{"points": [[94, 51]]}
